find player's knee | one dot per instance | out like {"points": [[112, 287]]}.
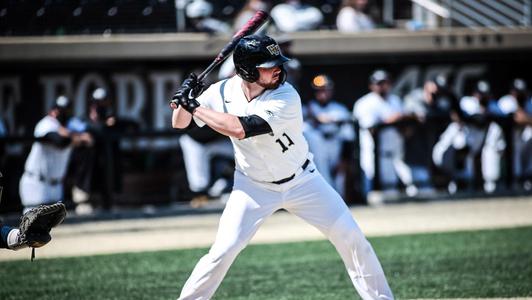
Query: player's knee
{"points": [[227, 249], [346, 230]]}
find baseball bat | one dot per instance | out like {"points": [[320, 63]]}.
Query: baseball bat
{"points": [[250, 27]]}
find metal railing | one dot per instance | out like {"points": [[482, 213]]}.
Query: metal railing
{"points": [[475, 13]]}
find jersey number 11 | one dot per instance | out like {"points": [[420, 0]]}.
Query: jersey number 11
{"points": [[283, 146]]}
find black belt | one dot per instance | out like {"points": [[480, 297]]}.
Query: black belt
{"points": [[304, 166], [44, 179]]}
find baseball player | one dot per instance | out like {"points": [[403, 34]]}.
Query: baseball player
{"points": [[328, 125], [199, 147], [42, 181], [519, 103], [434, 104], [382, 107], [262, 116], [469, 136]]}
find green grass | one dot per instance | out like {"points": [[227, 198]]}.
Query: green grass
{"points": [[492, 263]]}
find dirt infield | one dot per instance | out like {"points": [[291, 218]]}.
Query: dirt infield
{"points": [[138, 235]]}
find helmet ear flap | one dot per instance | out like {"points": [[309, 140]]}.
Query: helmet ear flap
{"points": [[254, 74], [284, 75], [248, 73]]}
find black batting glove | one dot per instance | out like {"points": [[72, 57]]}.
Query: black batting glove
{"points": [[192, 83], [189, 104], [186, 95]]}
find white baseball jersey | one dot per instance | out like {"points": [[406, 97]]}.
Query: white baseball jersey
{"points": [[45, 159], [334, 111], [325, 139], [266, 157], [45, 167]]}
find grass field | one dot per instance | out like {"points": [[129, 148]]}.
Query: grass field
{"points": [[491, 263]]}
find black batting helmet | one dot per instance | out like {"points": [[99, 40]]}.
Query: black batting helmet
{"points": [[255, 51]]}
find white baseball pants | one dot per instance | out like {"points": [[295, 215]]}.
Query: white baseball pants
{"points": [[34, 192], [307, 196], [457, 136]]}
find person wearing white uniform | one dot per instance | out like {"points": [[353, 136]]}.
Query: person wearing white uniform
{"points": [[474, 133], [42, 181], [352, 18], [519, 103], [293, 15], [262, 116], [328, 124], [199, 13], [199, 147], [380, 107]]}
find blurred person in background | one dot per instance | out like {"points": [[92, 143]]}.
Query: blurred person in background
{"points": [[473, 134], [248, 11], [45, 167], [518, 104], [199, 13], [433, 104], [200, 146], [328, 125], [353, 18], [294, 15], [380, 107], [97, 167]]}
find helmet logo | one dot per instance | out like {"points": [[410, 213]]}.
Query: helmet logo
{"points": [[274, 49], [253, 43]]}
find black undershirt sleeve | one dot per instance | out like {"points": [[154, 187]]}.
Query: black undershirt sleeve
{"points": [[56, 139], [254, 125]]}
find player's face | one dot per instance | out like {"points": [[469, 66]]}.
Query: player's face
{"points": [[324, 95], [269, 78], [381, 88]]}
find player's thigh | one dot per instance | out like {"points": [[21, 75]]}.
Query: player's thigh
{"points": [[316, 202], [247, 208]]}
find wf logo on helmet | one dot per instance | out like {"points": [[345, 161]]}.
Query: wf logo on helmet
{"points": [[274, 49]]}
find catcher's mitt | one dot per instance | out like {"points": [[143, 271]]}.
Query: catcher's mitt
{"points": [[35, 224]]}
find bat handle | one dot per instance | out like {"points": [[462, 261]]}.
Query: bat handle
{"points": [[207, 71]]}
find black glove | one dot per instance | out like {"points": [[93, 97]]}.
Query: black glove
{"points": [[187, 93], [35, 225]]}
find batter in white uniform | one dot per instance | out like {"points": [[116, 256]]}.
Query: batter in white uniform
{"points": [[261, 114]]}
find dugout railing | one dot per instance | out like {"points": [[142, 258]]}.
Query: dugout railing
{"points": [[152, 170]]}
